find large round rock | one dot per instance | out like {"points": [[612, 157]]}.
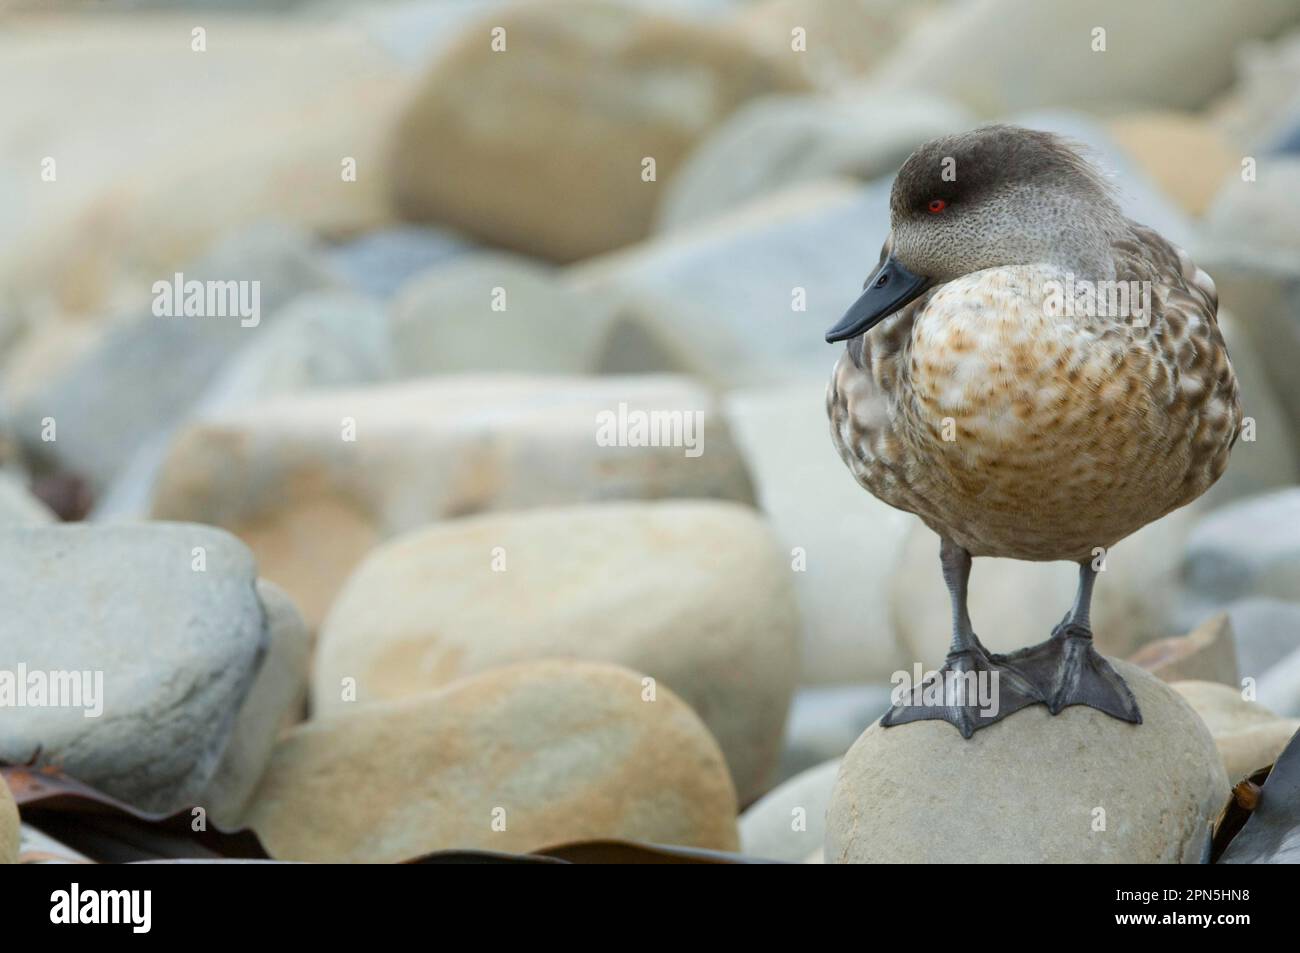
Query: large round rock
{"points": [[533, 131], [1080, 787], [694, 593], [515, 759], [8, 826]]}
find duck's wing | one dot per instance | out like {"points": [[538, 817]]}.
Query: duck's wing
{"points": [[1190, 372], [1146, 255], [862, 398]]}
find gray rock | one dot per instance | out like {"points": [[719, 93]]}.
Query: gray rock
{"points": [[143, 375], [1267, 631], [121, 6], [999, 56], [777, 141], [718, 301], [496, 312], [378, 263], [319, 340], [1249, 548], [1076, 788], [275, 703], [789, 822], [1279, 687], [175, 650], [824, 722], [1262, 287], [1260, 214]]}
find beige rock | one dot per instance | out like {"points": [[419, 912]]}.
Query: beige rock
{"points": [[1014, 603], [842, 541], [1207, 653], [491, 311], [1247, 734], [17, 505], [514, 759], [44, 351], [1186, 156], [695, 594], [1031, 788], [310, 502], [159, 149], [540, 148], [1261, 108], [1000, 56], [8, 826], [841, 38]]}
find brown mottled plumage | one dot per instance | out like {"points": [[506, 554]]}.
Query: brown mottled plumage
{"points": [[1012, 430], [1067, 436]]}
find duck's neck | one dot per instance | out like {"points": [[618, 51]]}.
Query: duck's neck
{"points": [[1084, 247]]}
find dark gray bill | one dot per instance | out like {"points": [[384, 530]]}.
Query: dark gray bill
{"points": [[891, 287]]}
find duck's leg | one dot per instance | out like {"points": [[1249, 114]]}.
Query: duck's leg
{"points": [[1069, 671], [972, 689]]}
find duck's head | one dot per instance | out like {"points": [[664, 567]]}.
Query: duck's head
{"points": [[996, 196]]}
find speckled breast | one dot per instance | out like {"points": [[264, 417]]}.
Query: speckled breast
{"points": [[1020, 432]]}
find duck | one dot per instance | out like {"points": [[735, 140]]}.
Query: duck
{"points": [[1035, 376]]}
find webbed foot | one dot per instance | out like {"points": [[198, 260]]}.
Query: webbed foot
{"points": [[971, 690], [1067, 670]]}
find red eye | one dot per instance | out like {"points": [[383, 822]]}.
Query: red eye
{"points": [[937, 205]]}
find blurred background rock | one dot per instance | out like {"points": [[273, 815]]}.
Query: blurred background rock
{"points": [[774, 127]]}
